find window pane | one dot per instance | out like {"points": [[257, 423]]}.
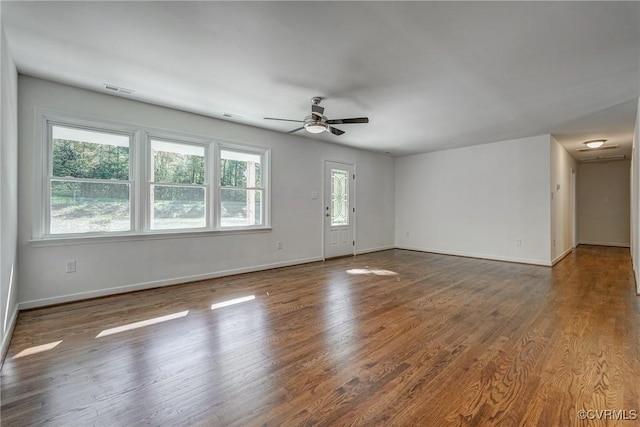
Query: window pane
{"points": [[82, 153], [238, 169], [174, 207], [339, 197], [86, 207], [240, 207], [177, 163]]}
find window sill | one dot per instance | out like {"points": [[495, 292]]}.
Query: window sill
{"points": [[130, 237]]}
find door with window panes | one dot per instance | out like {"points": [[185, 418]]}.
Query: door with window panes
{"points": [[339, 209]]}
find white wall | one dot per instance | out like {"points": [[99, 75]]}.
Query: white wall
{"points": [[635, 200], [477, 201], [604, 203], [8, 190], [296, 172], [562, 221]]}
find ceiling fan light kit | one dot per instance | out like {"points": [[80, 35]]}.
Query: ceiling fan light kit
{"points": [[317, 122], [315, 127]]}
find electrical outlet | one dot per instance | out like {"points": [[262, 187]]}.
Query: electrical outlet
{"points": [[279, 245], [518, 242], [407, 234], [71, 266]]}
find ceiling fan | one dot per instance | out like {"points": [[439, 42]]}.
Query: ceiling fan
{"points": [[316, 122]]}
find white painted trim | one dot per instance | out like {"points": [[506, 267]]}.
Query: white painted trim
{"points": [[369, 250], [618, 245], [480, 256], [353, 210], [6, 339], [158, 283], [562, 255], [149, 235]]}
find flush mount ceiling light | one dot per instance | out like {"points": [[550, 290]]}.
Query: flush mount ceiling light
{"points": [[596, 143]]}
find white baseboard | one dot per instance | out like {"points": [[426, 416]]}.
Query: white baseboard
{"points": [[6, 339], [158, 283], [615, 244], [480, 256], [562, 255], [378, 249]]}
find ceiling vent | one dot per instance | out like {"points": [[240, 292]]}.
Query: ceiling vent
{"points": [[604, 147], [118, 89]]}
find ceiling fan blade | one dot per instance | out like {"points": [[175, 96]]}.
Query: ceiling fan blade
{"points": [[317, 110], [335, 131], [296, 130], [348, 121], [284, 120]]}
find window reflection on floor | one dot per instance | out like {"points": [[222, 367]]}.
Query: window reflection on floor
{"points": [[342, 324]]}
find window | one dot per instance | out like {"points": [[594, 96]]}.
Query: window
{"points": [[241, 188], [103, 179], [89, 181], [339, 197], [177, 186]]}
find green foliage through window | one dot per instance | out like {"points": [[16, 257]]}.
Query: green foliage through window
{"points": [[178, 168], [99, 175], [80, 159]]}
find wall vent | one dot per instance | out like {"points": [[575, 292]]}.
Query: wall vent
{"points": [[118, 89]]}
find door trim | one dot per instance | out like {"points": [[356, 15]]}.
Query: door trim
{"points": [[324, 203]]}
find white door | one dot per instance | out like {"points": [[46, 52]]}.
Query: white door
{"points": [[339, 209]]}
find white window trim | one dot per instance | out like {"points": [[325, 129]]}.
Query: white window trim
{"points": [[265, 154], [44, 150], [147, 183], [139, 178]]}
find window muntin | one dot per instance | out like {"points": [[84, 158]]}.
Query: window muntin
{"points": [[89, 187], [241, 188], [177, 190]]}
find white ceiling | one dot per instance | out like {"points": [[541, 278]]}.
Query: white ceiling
{"points": [[429, 75]]}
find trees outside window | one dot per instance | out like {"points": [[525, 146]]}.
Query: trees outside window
{"points": [[89, 184], [177, 186], [241, 188], [108, 179]]}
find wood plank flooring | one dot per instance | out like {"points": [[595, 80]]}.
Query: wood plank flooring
{"points": [[390, 338]]}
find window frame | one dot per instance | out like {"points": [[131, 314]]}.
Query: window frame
{"points": [[208, 197], [140, 169], [265, 171], [48, 176]]}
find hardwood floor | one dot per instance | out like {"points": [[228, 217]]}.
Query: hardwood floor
{"points": [[389, 338]]}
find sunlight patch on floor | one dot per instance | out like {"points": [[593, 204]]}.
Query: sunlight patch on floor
{"points": [[376, 271], [232, 302], [37, 349], [142, 323]]}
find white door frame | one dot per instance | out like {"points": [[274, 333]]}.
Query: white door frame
{"points": [[574, 210], [325, 203]]}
